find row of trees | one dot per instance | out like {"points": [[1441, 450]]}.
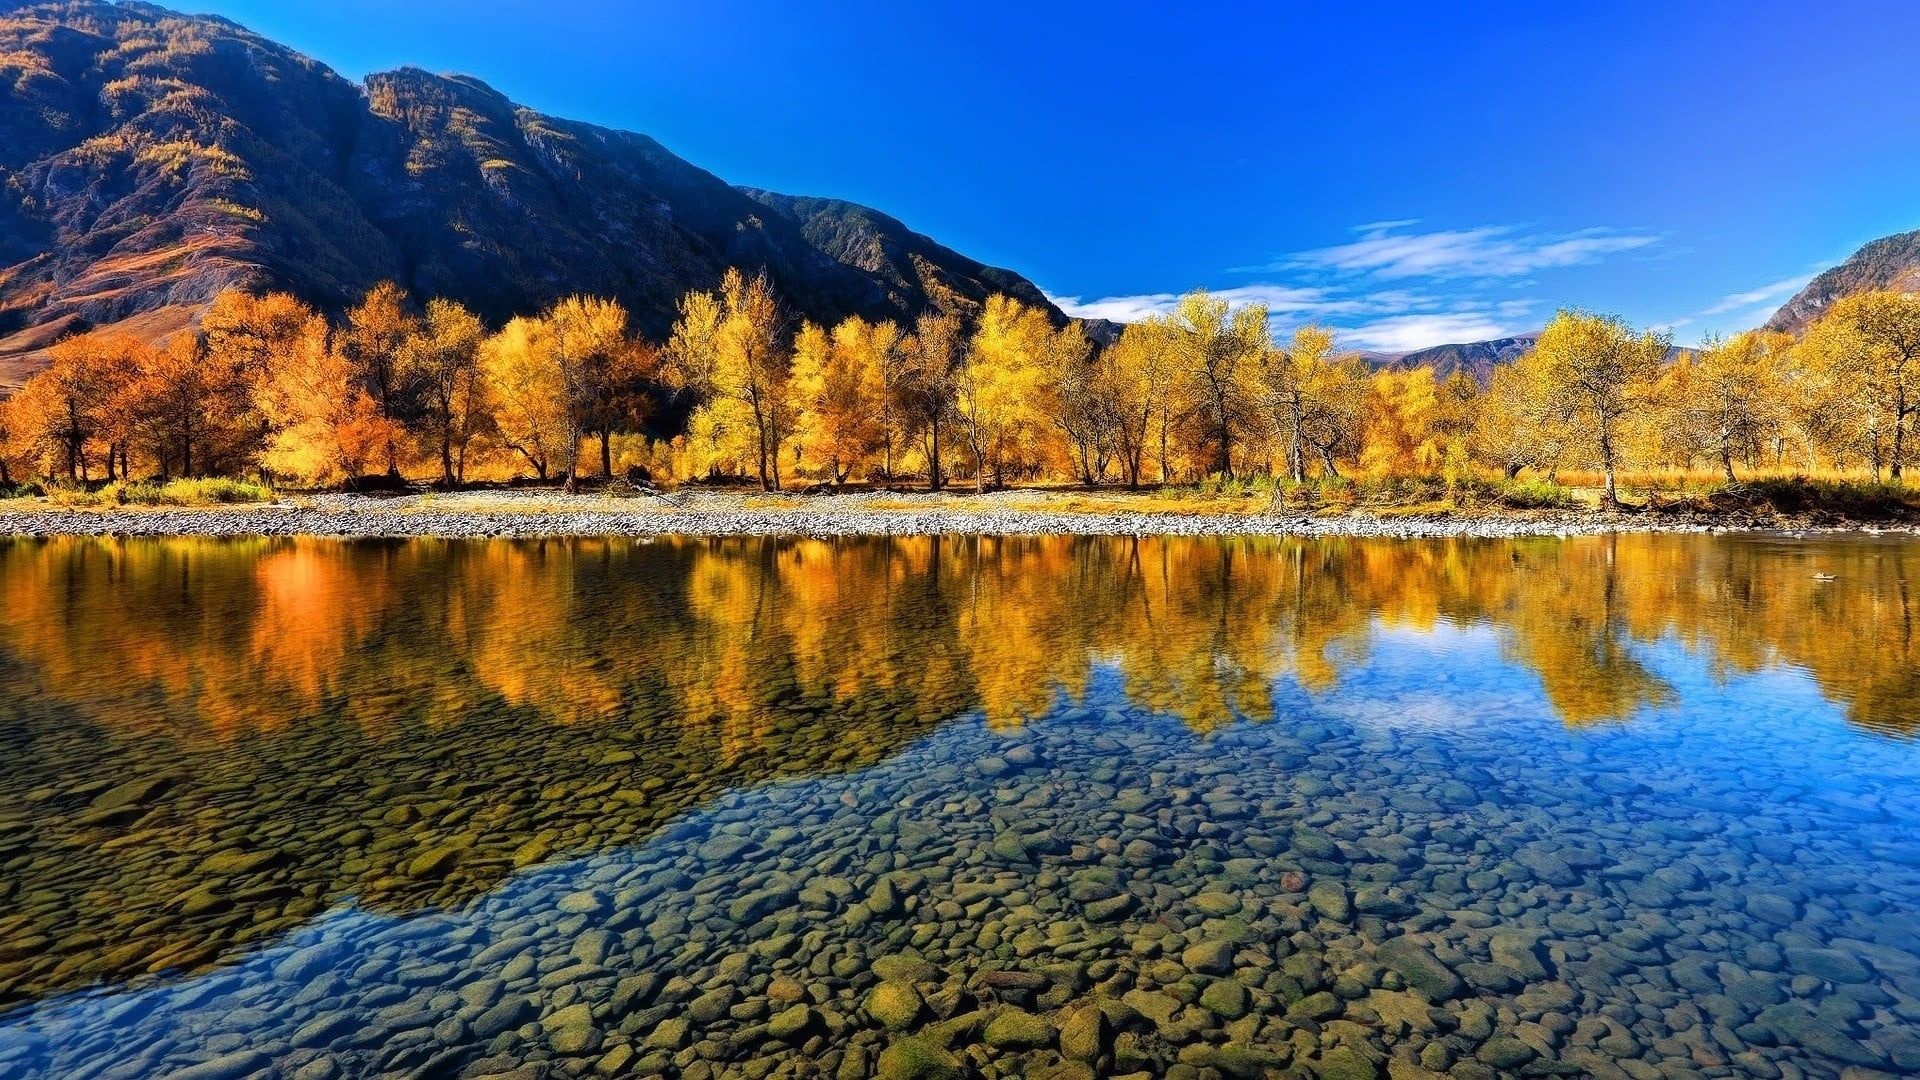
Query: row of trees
{"points": [[268, 383]]}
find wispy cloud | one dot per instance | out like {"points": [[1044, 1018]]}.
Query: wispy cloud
{"points": [[1397, 288], [1386, 252], [1779, 290]]}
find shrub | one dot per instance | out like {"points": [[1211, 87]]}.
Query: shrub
{"points": [[204, 492], [1846, 500]]}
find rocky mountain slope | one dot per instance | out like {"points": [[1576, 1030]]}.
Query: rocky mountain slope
{"points": [[150, 159], [1476, 358], [1891, 262]]}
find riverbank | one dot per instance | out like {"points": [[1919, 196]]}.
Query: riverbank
{"points": [[546, 513]]}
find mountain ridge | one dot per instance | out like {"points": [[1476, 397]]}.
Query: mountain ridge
{"points": [[1889, 262], [149, 159]]}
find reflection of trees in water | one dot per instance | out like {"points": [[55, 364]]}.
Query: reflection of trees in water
{"points": [[355, 708], [250, 635]]}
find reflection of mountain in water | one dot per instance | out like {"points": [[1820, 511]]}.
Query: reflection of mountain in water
{"points": [[214, 741]]}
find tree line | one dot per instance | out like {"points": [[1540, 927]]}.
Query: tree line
{"points": [[268, 385]]}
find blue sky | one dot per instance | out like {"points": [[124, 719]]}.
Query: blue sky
{"points": [[1439, 173]]}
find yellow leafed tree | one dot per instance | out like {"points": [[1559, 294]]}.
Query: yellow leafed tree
{"points": [[1000, 377]]}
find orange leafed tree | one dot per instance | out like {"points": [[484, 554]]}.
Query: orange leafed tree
{"points": [[324, 427]]}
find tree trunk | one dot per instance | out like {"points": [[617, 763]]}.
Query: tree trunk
{"points": [[606, 452], [1726, 463], [1513, 471], [1326, 459], [1899, 435], [1611, 498], [933, 472], [1296, 454]]}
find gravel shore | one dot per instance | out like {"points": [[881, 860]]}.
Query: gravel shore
{"points": [[479, 515]]}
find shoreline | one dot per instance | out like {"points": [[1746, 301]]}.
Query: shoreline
{"points": [[536, 515]]}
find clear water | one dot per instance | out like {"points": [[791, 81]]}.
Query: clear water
{"points": [[1637, 806]]}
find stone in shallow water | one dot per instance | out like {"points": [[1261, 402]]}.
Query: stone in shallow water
{"points": [[1829, 964], [1801, 1027], [671, 1033], [1520, 954], [1084, 1035], [1502, 1052], [894, 1005], [903, 968], [917, 1058], [1344, 1063], [505, 1016], [1017, 1029], [241, 1063], [132, 793], [1208, 957], [1217, 903], [790, 1023], [1329, 898], [571, 1030], [1225, 998], [1422, 970]]}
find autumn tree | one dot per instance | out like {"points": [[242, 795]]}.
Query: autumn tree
{"points": [[1520, 421], [1881, 359], [324, 426], [16, 457], [930, 384], [185, 404], [1417, 422], [1080, 398], [245, 336], [374, 341], [602, 373], [527, 394], [1288, 377], [1218, 351], [1136, 377], [728, 348], [998, 382], [1334, 418], [839, 419], [1599, 371], [1725, 398], [443, 355], [77, 401]]}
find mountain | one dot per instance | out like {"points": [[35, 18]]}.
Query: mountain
{"points": [[1476, 358], [150, 159], [1891, 262]]}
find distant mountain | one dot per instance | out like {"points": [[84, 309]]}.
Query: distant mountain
{"points": [[1891, 262], [150, 159], [1476, 358]]}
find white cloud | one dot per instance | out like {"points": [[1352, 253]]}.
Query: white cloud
{"points": [[1779, 290], [1488, 251], [1280, 300], [1407, 333], [1391, 321]]}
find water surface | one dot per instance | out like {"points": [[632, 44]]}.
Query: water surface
{"points": [[1636, 806]]}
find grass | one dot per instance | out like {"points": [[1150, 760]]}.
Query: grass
{"points": [[211, 491]]}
